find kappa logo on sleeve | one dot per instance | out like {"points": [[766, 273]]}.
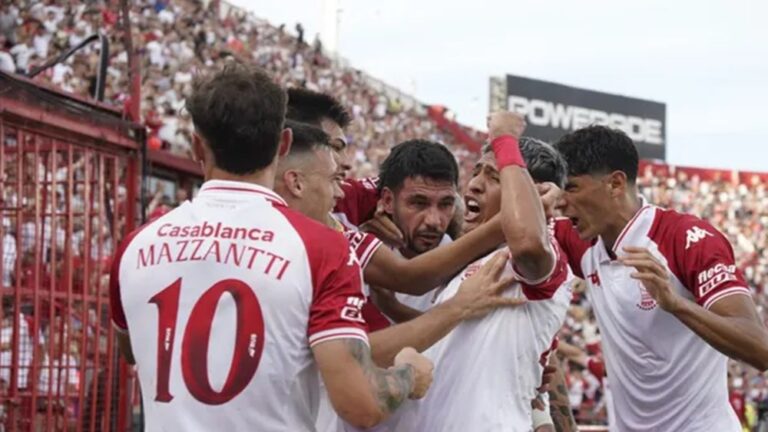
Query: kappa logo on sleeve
{"points": [[353, 310], [695, 234]]}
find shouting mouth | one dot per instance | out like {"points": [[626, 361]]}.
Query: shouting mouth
{"points": [[472, 212]]}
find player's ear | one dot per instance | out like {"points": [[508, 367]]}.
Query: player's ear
{"points": [[293, 184], [387, 200], [617, 183], [286, 138], [198, 148]]}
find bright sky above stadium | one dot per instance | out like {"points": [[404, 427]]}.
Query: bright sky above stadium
{"points": [[708, 61]]}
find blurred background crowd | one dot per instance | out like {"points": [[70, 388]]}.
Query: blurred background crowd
{"points": [[178, 37]]}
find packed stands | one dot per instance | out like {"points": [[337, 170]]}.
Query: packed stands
{"points": [[176, 38]]}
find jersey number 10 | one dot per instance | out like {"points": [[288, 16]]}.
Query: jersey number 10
{"points": [[249, 341]]}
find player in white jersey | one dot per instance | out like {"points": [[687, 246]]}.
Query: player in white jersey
{"points": [[669, 300], [306, 180], [426, 159], [490, 368], [233, 302]]}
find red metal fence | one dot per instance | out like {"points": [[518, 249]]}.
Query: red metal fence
{"points": [[67, 196]]}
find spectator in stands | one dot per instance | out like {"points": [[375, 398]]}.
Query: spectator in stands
{"points": [[7, 62], [23, 333], [9, 16], [9, 255]]}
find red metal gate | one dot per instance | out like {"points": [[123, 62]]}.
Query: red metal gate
{"points": [[67, 196]]}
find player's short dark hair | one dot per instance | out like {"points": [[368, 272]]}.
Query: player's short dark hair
{"points": [[240, 112], [544, 163], [418, 158], [311, 107], [599, 150], [306, 137]]}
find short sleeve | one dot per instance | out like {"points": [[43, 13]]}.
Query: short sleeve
{"points": [[547, 286], [115, 301], [338, 299], [359, 202], [335, 311], [364, 244], [703, 261], [571, 244]]}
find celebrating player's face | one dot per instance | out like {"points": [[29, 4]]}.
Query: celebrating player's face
{"points": [[321, 183], [338, 144], [586, 202], [422, 209], [483, 198]]}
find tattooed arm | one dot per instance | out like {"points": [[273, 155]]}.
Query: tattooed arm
{"points": [[363, 394], [559, 405]]}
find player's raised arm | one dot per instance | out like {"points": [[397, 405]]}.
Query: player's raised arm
{"points": [[522, 215], [423, 272]]}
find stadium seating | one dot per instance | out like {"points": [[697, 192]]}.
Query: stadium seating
{"points": [[177, 38]]}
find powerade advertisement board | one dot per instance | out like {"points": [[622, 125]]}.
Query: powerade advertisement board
{"points": [[552, 110]]}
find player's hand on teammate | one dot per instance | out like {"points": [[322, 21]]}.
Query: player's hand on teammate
{"points": [[384, 228], [422, 369], [550, 195], [653, 275], [505, 123], [483, 291]]}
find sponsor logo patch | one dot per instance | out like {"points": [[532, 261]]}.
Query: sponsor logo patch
{"points": [[353, 310], [715, 276]]}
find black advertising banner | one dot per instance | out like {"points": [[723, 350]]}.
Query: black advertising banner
{"points": [[552, 110]]}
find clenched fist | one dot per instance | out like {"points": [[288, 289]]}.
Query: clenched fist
{"points": [[505, 123], [422, 368]]}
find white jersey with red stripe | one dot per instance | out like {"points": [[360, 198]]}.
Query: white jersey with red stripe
{"points": [[223, 299], [487, 370], [663, 376]]}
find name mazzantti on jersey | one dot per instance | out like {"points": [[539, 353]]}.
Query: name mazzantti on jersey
{"points": [[213, 242]]}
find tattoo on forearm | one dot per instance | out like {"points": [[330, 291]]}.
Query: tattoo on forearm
{"points": [[392, 386], [560, 409]]}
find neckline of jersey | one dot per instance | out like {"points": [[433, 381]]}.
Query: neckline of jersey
{"points": [[236, 187], [644, 205]]}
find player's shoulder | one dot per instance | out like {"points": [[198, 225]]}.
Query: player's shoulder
{"points": [[673, 226], [563, 230], [367, 183], [314, 234], [148, 227]]}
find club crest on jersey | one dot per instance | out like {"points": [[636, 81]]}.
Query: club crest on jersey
{"points": [[471, 269], [646, 301], [353, 310], [695, 234], [594, 278]]}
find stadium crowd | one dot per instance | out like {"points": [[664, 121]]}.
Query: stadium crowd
{"points": [[177, 38]]}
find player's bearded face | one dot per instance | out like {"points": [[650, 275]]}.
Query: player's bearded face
{"points": [[422, 209], [483, 198], [587, 203]]}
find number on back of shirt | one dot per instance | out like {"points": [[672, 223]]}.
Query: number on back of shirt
{"points": [[249, 341]]}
